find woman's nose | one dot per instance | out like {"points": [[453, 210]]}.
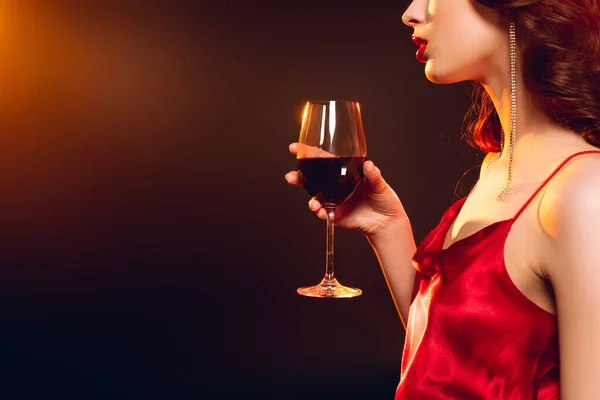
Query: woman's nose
{"points": [[414, 14]]}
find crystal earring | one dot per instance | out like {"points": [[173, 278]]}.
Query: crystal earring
{"points": [[503, 196]]}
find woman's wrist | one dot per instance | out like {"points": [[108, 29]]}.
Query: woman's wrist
{"points": [[398, 229]]}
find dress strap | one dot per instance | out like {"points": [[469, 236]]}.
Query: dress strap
{"points": [[562, 164]]}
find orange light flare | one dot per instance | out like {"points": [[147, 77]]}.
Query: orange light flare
{"points": [[305, 114]]}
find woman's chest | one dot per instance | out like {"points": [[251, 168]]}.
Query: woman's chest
{"points": [[520, 248]]}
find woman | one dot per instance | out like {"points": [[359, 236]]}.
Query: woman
{"points": [[512, 272]]}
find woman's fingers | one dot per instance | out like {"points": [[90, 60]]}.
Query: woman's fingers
{"points": [[293, 148], [316, 207], [307, 151], [373, 176], [293, 178], [322, 213]]}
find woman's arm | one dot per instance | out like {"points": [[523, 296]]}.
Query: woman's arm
{"points": [[395, 254], [571, 217]]}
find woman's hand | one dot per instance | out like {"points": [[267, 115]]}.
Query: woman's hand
{"points": [[372, 208]]}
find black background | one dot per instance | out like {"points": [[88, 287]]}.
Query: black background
{"points": [[150, 246]]}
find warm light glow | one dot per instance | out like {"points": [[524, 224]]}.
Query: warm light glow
{"points": [[331, 122], [322, 138], [305, 114]]}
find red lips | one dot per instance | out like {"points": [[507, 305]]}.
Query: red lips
{"points": [[422, 43], [419, 41]]}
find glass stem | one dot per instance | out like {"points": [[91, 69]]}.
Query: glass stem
{"points": [[329, 254]]}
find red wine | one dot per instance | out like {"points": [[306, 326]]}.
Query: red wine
{"points": [[331, 180]]}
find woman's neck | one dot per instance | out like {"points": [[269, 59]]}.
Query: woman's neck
{"points": [[536, 132]]}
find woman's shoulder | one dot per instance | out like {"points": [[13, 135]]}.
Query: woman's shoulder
{"points": [[579, 176], [572, 262], [573, 195]]}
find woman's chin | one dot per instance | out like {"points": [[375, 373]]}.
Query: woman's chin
{"points": [[434, 74]]}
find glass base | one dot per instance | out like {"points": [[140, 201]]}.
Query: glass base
{"points": [[329, 289]]}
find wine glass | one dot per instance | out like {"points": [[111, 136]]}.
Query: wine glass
{"points": [[330, 158]]}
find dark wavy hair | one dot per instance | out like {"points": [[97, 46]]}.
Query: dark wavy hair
{"points": [[559, 44]]}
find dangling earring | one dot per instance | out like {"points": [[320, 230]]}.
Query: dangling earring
{"points": [[503, 196]]}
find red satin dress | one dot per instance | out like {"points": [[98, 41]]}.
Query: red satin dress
{"points": [[472, 334]]}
